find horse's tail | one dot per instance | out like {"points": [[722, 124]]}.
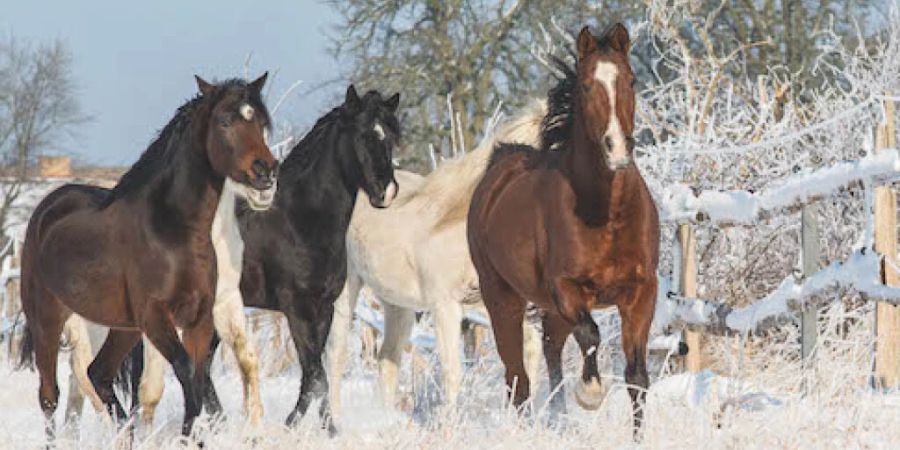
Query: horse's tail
{"points": [[129, 377], [26, 349], [452, 184]]}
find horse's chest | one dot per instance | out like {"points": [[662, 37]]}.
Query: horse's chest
{"points": [[608, 259]]}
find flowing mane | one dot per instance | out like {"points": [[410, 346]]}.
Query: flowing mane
{"points": [[163, 150], [302, 154], [449, 187], [557, 124]]}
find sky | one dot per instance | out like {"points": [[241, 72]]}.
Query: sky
{"points": [[134, 61]]}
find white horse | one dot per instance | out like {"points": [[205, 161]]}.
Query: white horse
{"points": [[228, 315], [428, 269]]}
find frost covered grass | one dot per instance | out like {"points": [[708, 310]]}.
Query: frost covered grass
{"points": [[751, 397]]}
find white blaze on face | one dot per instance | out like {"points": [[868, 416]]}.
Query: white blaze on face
{"points": [[247, 112], [617, 153], [266, 136], [379, 131]]}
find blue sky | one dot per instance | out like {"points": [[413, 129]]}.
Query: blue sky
{"points": [[134, 61]]}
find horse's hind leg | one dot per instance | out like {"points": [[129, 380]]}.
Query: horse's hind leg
{"points": [[79, 384], [46, 327], [336, 350], [398, 323], [556, 331], [637, 316], [105, 366], [152, 382]]}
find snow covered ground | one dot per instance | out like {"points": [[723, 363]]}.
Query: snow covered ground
{"points": [[754, 401]]}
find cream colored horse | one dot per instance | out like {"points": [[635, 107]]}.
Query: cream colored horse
{"points": [[414, 257]]}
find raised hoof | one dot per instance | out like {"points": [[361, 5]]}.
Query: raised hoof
{"points": [[590, 395]]}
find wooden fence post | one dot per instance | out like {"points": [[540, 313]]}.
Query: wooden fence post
{"points": [[688, 284], [887, 317], [809, 242]]}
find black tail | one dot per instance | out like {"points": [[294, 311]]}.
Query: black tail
{"points": [[128, 379], [26, 348]]}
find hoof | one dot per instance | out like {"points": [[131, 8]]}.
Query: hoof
{"points": [[590, 395]]}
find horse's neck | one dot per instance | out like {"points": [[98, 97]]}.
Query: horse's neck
{"points": [[323, 190], [191, 192], [602, 194]]}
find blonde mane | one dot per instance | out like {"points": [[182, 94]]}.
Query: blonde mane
{"points": [[449, 188]]}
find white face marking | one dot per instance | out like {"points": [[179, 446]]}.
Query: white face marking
{"points": [[606, 73], [266, 136], [379, 131], [247, 112]]}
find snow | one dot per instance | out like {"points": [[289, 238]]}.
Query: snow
{"points": [[751, 404], [679, 203]]}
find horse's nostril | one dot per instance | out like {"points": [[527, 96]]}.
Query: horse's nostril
{"points": [[260, 168], [609, 143]]}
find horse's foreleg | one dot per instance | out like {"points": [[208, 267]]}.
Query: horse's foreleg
{"points": [[507, 311], [574, 306], [152, 382], [398, 323], [210, 396], [310, 335], [336, 351], [162, 334], [556, 331], [105, 367], [198, 341], [447, 325], [589, 391], [231, 325], [637, 315]]}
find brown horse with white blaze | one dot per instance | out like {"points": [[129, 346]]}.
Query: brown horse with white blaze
{"points": [[572, 227], [139, 257]]}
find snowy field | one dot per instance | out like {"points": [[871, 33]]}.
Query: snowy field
{"points": [[751, 398]]}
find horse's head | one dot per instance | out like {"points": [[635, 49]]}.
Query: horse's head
{"points": [[606, 93], [236, 139], [372, 123]]}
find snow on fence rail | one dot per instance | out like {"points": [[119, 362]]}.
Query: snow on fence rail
{"points": [[860, 272], [679, 203]]}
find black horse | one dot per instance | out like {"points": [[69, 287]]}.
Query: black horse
{"points": [[295, 256]]}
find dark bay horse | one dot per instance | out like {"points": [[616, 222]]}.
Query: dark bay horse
{"points": [[139, 258], [295, 255], [572, 227]]}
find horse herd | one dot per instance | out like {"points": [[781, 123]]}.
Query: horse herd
{"points": [[549, 211]]}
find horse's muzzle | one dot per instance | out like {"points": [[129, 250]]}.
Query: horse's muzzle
{"points": [[388, 196]]}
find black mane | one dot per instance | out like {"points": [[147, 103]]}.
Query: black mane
{"points": [[556, 128], [302, 155], [162, 151], [557, 124]]}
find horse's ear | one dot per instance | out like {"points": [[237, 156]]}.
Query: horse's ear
{"points": [[393, 102], [587, 43], [205, 87], [618, 38], [352, 99], [258, 83]]}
